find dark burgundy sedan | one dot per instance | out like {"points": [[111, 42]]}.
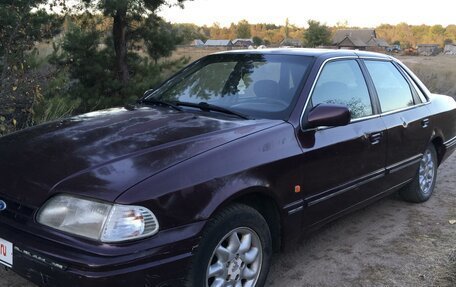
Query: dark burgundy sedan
{"points": [[200, 181]]}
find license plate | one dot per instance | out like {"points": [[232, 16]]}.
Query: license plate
{"points": [[6, 252]]}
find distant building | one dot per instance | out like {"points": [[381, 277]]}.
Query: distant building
{"points": [[350, 42], [288, 42], [376, 42], [450, 49], [360, 39], [218, 43], [242, 42], [428, 49], [197, 43]]}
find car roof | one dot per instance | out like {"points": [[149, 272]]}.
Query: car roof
{"points": [[326, 53]]}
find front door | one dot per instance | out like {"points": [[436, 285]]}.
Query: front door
{"points": [[342, 166]]}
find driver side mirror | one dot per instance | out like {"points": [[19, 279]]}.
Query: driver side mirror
{"points": [[328, 115]]}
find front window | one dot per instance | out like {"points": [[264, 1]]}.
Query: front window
{"points": [[255, 85], [342, 82]]}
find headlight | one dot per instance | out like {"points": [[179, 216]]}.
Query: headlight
{"points": [[97, 220]]}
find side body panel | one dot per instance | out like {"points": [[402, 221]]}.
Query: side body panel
{"points": [[408, 134], [341, 167], [443, 123]]}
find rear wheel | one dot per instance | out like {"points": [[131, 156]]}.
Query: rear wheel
{"points": [[235, 250], [422, 186]]}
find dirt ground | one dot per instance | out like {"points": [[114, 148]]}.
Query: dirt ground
{"points": [[390, 243]]}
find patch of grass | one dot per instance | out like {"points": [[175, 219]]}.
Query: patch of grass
{"points": [[437, 73], [446, 274], [54, 108]]}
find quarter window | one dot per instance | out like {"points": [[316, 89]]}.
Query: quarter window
{"points": [[392, 89], [342, 82]]}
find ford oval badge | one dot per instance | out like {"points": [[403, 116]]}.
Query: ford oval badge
{"points": [[2, 205]]}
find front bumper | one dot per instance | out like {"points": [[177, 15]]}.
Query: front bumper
{"points": [[47, 263], [167, 272]]}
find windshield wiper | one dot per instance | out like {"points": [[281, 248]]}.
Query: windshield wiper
{"points": [[157, 102], [209, 107]]}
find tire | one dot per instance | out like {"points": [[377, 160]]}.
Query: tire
{"points": [[422, 185], [235, 250]]}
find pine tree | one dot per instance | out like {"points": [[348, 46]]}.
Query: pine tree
{"points": [[124, 13]]}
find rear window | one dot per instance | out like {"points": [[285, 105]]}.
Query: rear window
{"points": [[393, 90]]}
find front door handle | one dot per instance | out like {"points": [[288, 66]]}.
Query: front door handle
{"points": [[425, 123], [375, 138]]}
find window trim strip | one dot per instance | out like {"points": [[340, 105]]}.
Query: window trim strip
{"points": [[391, 60]]}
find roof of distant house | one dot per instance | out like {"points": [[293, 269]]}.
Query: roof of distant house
{"points": [[218, 43], [376, 42], [197, 42], [241, 40], [351, 41], [361, 34]]}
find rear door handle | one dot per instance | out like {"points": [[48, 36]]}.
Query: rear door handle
{"points": [[375, 138], [425, 123]]}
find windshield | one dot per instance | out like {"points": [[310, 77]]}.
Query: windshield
{"points": [[255, 85]]}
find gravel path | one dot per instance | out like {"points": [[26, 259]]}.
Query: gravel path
{"points": [[390, 243]]}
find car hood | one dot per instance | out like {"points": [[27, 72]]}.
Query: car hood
{"points": [[102, 154]]}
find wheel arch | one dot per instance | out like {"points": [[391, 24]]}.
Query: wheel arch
{"points": [[261, 199], [437, 142]]}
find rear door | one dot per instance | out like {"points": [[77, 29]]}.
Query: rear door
{"points": [[341, 166], [405, 117]]}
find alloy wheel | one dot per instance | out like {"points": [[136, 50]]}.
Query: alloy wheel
{"points": [[236, 260], [426, 172]]}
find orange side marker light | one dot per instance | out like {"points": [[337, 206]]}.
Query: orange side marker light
{"points": [[297, 188]]}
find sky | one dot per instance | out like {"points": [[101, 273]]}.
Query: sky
{"points": [[355, 12]]}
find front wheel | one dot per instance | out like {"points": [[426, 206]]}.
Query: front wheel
{"points": [[235, 250], [422, 186]]}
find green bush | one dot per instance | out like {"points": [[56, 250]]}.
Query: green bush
{"points": [[54, 108]]}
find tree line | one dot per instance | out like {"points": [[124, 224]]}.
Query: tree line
{"points": [[404, 34]]}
